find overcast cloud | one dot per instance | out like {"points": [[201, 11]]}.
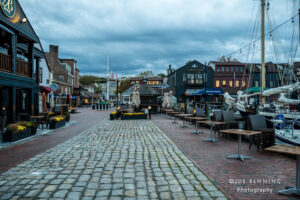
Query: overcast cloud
{"points": [[147, 34]]}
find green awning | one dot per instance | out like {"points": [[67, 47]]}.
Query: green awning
{"points": [[254, 89]]}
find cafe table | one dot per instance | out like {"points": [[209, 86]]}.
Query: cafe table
{"points": [[183, 121], [168, 111], [196, 123], [240, 132], [212, 124], [292, 150], [174, 113]]}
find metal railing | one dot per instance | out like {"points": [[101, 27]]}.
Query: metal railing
{"points": [[5, 63], [24, 69]]}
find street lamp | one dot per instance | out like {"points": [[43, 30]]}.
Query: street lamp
{"points": [[149, 111]]}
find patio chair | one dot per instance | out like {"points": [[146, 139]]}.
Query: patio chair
{"points": [[218, 116], [201, 113], [228, 117], [43, 121], [267, 138]]}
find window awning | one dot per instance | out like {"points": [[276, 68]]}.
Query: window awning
{"points": [[209, 91], [46, 89]]}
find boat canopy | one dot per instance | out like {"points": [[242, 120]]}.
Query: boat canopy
{"points": [[254, 89], [209, 91]]}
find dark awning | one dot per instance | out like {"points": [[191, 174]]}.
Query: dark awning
{"points": [[209, 91], [46, 89]]}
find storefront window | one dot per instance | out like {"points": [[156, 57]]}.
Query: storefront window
{"points": [[217, 83], [199, 79], [230, 83], [224, 83], [191, 78], [237, 83]]}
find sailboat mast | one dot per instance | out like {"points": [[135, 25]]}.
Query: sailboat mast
{"points": [[263, 81], [107, 81]]}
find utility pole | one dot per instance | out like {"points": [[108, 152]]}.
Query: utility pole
{"points": [[263, 83], [117, 93], [205, 82], [107, 81]]}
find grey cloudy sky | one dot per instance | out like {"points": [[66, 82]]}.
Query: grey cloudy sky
{"points": [[146, 34]]}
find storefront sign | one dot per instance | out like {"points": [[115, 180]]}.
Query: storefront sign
{"points": [[54, 86], [8, 7]]}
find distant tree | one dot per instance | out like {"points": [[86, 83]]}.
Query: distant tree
{"points": [[90, 79], [161, 75], [124, 85], [146, 73]]}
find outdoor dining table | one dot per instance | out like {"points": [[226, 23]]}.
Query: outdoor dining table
{"points": [[168, 111], [183, 121], [35, 118], [212, 128], [174, 113], [292, 150], [196, 123], [240, 132]]}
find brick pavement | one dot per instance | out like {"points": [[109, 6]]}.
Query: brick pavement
{"points": [[10, 157], [278, 169], [114, 160]]}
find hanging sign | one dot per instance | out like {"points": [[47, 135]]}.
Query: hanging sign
{"points": [[54, 86], [8, 7]]}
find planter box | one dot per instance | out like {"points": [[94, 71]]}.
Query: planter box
{"points": [[67, 118], [15, 136], [112, 117], [54, 125], [128, 117], [33, 130]]}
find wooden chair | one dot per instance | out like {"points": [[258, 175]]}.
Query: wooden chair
{"points": [[267, 138]]}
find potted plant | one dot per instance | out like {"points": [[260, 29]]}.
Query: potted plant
{"points": [[113, 115], [67, 116], [126, 116], [15, 132], [33, 127], [56, 122], [26, 125]]}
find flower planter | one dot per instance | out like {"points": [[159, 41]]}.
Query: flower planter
{"points": [[128, 117], [112, 117], [54, 124], [15, 136], [33, 130], [67, 118]]}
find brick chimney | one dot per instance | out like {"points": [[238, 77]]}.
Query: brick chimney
{"points": [[53, 50]]}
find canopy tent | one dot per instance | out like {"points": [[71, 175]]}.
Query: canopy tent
{"points": [[209, 91], [254, 89]]}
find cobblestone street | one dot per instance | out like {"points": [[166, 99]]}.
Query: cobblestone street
{"points": [[114, 160]]}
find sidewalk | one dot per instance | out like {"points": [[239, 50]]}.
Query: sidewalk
{"points": [[232, 176], [128, 159], [16, 153]]}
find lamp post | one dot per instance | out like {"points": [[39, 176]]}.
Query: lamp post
{"points": [[149, 111]]}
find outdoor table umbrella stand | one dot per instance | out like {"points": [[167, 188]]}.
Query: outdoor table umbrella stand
{"points": [[293, 190], [239, 156], [211, 137], [196, 129]]}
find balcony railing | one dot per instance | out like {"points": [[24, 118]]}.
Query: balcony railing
{"points": [[24, 69], [5, 63]]}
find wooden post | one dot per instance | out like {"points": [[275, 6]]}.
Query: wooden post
{"points": [[263, 83]]}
